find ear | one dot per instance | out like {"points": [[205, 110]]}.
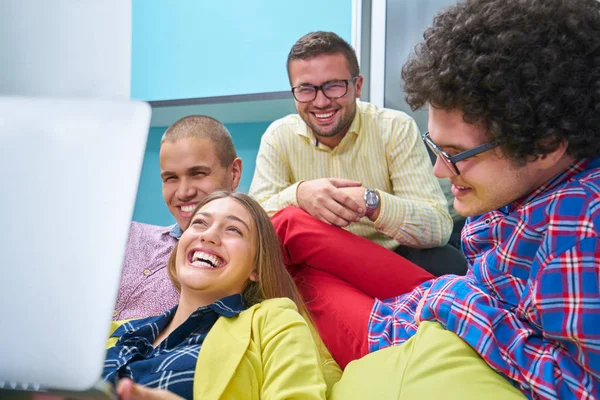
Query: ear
{"points": [[551, 159], [359, 83], [235, 169], [253, 276]]}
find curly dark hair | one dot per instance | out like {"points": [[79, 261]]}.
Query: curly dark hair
{"points": [[318, 43], [527, 71]]}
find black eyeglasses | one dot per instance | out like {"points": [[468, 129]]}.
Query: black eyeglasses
{"points": [[332, 90], [451, 161]]}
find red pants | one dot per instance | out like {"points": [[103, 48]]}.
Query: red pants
{"points": [[339, 275]]}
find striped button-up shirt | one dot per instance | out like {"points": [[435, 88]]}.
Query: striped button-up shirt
{"points": [[530, 303], [170, 365], [383, 150]]}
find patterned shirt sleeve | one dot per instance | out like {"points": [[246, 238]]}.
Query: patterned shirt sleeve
{"points": [[549, 344], [271, 185], [416, 213], [566, 307]]}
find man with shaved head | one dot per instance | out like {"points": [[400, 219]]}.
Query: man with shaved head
{"points": [[197, 157]]}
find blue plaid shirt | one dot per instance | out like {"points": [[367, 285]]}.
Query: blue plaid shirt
{"points": [[530, 302], [171, 365]]}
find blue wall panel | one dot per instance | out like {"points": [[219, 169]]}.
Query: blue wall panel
{"points": [[192, 48]]}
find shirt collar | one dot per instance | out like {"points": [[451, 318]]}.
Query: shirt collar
{"points": [[229, 306], [356, 122], [175, 231], [161, 322]]}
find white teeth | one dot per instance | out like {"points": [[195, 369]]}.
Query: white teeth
{"points": [[200, 263], [202, 258], [188, 209], [324, 115]]}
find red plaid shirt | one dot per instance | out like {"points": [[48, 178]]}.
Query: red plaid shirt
{"points": [[530, 303]]}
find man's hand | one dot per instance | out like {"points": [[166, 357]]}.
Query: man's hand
{"points": [[129, 390], [324, 199], [358, 194], [420, 306]]}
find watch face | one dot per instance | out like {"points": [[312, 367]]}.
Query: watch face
{"points": [[371, 197]]}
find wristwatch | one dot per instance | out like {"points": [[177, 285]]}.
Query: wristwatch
{"points": [[372, 201]]}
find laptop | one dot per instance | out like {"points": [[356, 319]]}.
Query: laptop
{"points": [[70, 170]]}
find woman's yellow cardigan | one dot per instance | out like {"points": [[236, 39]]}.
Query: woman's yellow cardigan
{"points": [[265, 352]]}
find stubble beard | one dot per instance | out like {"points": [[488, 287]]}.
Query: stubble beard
{"points": [[340, 128]]}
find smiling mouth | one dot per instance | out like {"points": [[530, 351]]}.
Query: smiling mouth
{"points": [[459, 191], [324, 115], [188, 208], [203, 259]]}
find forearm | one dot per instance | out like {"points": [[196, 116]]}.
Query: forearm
{"points": [[271, 185], [273, 201], [415, 211]]}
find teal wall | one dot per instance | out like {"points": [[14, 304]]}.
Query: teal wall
{"points": [[195, 48], [150, 206]]}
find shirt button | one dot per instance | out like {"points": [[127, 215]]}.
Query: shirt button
{"points": [[146, 272], [115, 313]]}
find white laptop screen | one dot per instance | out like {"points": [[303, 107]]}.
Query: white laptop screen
{"points": [[70, 171]]}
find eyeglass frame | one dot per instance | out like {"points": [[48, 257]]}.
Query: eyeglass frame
{"points": [[451, 161], [320, 87]]}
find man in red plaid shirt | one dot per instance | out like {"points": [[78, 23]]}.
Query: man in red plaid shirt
{"points": [[513, 92]]}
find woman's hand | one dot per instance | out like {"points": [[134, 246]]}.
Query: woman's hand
{"points": [[129, 390]]}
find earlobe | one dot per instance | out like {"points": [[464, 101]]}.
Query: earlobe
{"points": [[236, 173], [359, 83], [253, 276]]}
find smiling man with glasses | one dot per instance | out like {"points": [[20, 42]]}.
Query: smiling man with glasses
{"points": [[513, 92], [352, 164]]}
